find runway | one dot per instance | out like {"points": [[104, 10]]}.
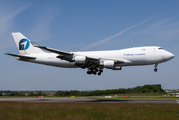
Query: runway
{"points": [[83, 99]]}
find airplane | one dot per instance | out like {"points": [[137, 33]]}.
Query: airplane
{"points": [[94, 61]]}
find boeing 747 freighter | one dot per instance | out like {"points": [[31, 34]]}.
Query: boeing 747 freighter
{"points": [[93, 61]]}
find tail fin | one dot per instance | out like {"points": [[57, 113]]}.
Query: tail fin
{"points": [[24, 45]]}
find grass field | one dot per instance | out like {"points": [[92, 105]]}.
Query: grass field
{"points": [[87, 111]]}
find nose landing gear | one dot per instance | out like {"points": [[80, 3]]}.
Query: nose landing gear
{"points": [[155, 70]]}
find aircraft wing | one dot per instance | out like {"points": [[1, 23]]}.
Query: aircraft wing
{"points": [[70, 56], [51, 49], [65, 55], [55, 51], [62, 54], [20, 56]]}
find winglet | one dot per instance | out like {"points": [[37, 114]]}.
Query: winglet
{"points": [[34, 44]]}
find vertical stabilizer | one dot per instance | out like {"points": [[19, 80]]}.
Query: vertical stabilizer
{"points": [[24, 45]]}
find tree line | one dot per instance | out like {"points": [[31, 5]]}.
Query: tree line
{"points": [[156, 88], [37, 94], [11, 93], [16, 93]]}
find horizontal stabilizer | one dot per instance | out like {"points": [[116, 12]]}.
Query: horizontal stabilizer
{"points": [[20, 56]]}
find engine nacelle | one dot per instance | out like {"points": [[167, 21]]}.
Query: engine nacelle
{"points": [[117, 68], [80, 59], [109, 64]]}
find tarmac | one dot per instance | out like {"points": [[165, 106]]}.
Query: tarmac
{"points": [[83, 99]]}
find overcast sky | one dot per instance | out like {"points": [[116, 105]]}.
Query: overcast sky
{"points": [[80, 25]]}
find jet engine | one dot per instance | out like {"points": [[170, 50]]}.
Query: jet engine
{"points": [[80, 59], [109, 64]]}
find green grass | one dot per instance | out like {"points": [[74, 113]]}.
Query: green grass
{"points": [[87, 111]]}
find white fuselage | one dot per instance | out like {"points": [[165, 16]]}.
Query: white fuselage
{"points": [[132, 57]]}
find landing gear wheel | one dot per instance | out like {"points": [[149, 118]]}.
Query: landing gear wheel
{"points": [[155, 70], [99, 73], [94, 72], [88, 72]]}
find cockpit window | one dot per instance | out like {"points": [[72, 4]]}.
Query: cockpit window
{"points": [[160, 48]]}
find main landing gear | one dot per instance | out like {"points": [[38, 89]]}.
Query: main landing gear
{"points": [[155, 70], [95, 71]]}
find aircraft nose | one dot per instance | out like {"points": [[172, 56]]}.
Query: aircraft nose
{"points": [[169, 56]]}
